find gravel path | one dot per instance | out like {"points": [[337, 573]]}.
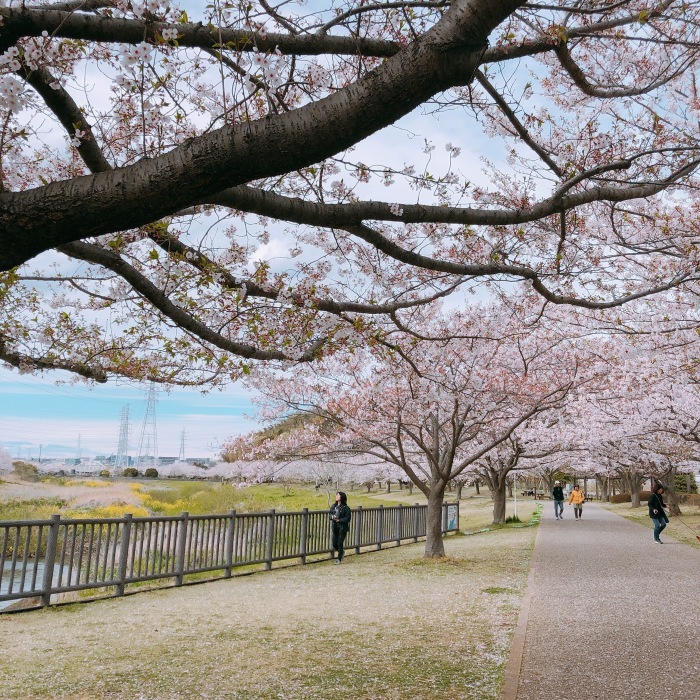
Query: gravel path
{"points": [[612, 614], [383, 626]]}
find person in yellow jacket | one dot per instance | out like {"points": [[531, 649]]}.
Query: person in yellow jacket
{"points": [[577, 497]]}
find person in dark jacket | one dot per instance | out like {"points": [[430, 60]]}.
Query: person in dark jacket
{"points": [[657, 511], [558, 498], [340, 523]]}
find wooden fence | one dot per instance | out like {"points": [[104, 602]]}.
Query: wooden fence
{"points": [[40, 559]]}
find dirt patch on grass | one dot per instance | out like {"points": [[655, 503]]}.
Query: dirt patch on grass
{"points": [[383, 625], [79, 494]]}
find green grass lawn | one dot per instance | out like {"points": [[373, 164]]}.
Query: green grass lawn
{"points": [[166, 497]]}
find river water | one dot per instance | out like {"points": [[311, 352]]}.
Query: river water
{"points": [[5, 582]]}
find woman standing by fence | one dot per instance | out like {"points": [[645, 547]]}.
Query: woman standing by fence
{"points": [[340, 522]]}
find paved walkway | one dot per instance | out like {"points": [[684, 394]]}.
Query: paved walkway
{"points": [[611, 615]]}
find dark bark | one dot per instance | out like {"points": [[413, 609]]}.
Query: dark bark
{"points": [[41, 218], [70, 25], [670, 495], [635, 482], [434, 546], [499, 504]]}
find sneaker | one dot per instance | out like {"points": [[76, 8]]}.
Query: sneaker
{"points": [[336, 561], [658, 541]]}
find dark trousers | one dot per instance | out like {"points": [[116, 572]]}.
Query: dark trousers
{"points": [[338, 540], [659, 525]]}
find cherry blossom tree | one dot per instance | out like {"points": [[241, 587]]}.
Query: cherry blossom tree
{"points": [[641, 425], [521, 451], [201, 191], [432, 409]]}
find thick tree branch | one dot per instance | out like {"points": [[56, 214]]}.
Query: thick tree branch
{"points": [[24, 362], [25, 22], [585, 85], [99, 256], [517, 124], [71, 117], [46, 217], [173, 246], [300, 211]]}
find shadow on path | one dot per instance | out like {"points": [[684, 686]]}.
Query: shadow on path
{"points": [[611, 615]]}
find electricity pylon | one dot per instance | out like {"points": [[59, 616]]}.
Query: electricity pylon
{"points": [[122, 460], [181, 458], [148, 444]]}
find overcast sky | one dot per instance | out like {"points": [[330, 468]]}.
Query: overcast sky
{"points": [[35, 413]]}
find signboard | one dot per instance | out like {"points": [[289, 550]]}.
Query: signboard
{"points": [[452, 516]]}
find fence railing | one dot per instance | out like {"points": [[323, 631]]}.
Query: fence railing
{"points": [[40, 559]]}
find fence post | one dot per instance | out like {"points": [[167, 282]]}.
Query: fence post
{"points": [[416, 518], [358, 529], [304, 535], [181, 546], [123, 555], [229, 543], [51, 546], [399, 524], [270, 540], [380, 526]]}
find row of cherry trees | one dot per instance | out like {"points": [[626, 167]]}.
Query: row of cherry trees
{"points": [[512, 390]]}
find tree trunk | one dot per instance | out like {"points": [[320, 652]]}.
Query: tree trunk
{"points": [[624, 483], [604, 484], [499, 502], [670, 495], [477, 486], [388, 486], [410, 487], [460, 486], [636, 481], [434, 546], [510, 489]]}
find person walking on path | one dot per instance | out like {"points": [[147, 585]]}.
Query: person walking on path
{"points": [[577, 497], [340, 523], [558, 498], [657, 511]]}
